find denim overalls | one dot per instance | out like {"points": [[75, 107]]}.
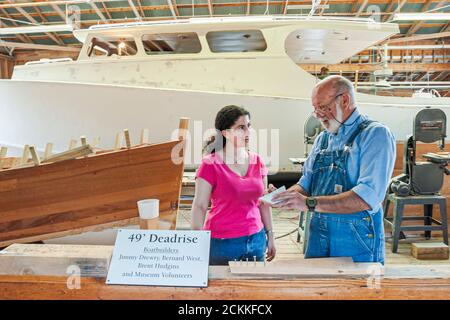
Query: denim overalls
{"points": [[358, 235]]}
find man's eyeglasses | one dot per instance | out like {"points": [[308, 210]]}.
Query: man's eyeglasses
{"points": [[325, 108]]}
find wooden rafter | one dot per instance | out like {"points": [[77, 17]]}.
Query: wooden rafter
{"points": [[391, 5], [362, 7], [105, 8], [24, 37], [415, 27], [210, 8], [140, 8], [97, 10], [30, 18], [134, 9], [173, 9]]}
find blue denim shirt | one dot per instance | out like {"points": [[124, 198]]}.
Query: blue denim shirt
{"points": [[370, 162]]}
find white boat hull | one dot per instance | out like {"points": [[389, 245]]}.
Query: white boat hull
{"points": [[37, 112]]}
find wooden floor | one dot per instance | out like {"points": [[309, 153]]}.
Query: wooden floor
{"points": [[288, 248]]}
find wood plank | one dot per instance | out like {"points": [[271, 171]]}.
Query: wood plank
{"points": [[53, 259], [81, 151], [51, 287], [319, 267], [430, 251], [63, 196]]}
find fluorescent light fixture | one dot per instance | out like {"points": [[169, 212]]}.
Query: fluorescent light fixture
{"points": [[37, 29], [306, 6], [420, 16]]}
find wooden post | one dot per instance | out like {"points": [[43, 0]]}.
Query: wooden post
{"points": [[83, 140], [35, 156], [72, 144], [356, 79], [95, 142], [126, 133], [183, 128], [3, 152], [25, 155], [144, 136], [48, 150], [118, 143]]}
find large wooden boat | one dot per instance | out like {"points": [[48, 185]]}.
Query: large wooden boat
{"points": [[48, 199]]}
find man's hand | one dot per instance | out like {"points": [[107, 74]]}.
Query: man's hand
{"points": [[290, 199]]}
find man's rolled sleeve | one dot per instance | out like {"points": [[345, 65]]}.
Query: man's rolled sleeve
{"points": [[377, 158]]}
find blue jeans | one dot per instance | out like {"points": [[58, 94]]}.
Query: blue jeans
{"points": [[242, 248], [360, 236]]}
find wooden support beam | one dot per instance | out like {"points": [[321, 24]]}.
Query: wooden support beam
{"points": [[3, 153], [70, 154], [38, 46], [105, 8], [118, 141], [25, 154], [145, 136], [35, 156], [183, 128], [416, 26], [30, 18], [126, 134], [133, 7], [210, 8], [72, 144], [420, 37], [362, 7], [97, 11], [140, 8], [173, 9], [391, 5], [368, 67], [83, 140], [48, 150]]}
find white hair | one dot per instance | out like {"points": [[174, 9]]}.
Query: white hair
{"points": [[341, 85]]}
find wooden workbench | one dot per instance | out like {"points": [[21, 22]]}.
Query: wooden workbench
{"points": [[223, 285]]}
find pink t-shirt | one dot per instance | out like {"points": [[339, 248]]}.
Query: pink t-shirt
{"points": [[234, 199]]}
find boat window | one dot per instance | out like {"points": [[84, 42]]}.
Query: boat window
{"points": [[236, 41], [108, 46], [171, 43]]}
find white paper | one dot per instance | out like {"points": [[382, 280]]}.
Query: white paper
{"points": [[268, 197]]}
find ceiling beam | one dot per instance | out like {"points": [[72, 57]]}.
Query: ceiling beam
{"points": [[133, 7], [97, 10], [105, 8], [413, 29], [391, 5], [362, 7], [173, 9], [30, 18], [22, 45], [140, 8], [210, 8], [23, 38], [61, 13], [285, 6], [367, 67], [420, 37]]}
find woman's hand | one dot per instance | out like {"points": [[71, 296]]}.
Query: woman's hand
{"points": [[271, 250], [271, 188]]}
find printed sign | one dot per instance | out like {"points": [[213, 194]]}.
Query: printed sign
{"points": [[160, 258]]}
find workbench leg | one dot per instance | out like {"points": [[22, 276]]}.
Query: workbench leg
{"points": [[428, 214], [398, 217], [443, 211]]}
